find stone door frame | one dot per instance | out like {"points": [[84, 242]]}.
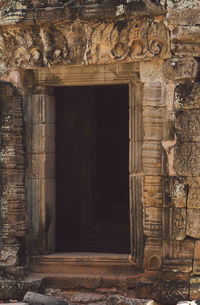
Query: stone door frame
{"points": [[39, 110]]}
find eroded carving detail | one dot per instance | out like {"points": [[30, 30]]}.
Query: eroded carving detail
{"points": [[194, 193], [187, 125], [187, 158], [12, 165], [78, 43], [178, 223], [175, 69], [178, 255]]}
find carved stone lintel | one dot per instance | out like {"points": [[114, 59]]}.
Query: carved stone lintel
{"points": [[78, 43]]}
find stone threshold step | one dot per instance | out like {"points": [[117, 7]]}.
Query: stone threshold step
{"points": [[83, 263]]}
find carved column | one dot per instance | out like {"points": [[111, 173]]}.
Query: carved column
{"points": [[12, 166], [40, 137], [136, 175], [154, 108]]}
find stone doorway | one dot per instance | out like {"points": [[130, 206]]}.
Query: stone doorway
{"points": [[92, 169]]}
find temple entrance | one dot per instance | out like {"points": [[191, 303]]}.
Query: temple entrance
{"points": [[92, 169]]}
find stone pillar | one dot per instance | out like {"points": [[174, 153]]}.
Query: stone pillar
{"points": [[40, 139], [12, 167], [135, 173], [152, 159]]}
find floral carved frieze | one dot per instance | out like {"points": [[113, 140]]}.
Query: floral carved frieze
{"points": [[81, 43]]}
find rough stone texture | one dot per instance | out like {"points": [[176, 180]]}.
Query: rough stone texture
{"points": [[16, 303], [15, 290], [120, 300], [87, 298], [33, 298]]}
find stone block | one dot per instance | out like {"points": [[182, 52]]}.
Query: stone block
{"points": [[15, 290], [178, 250], [193, 201], [188, 15], [152, 256], [196, 261], [153, 222], [193, 223], [177, 223], [15, 303], [34, 196], [179, 191], [153, 94], [187, 125], [172, 292], [185, 40], [121, 300], [186, 95], [153, 194], [153, 123], [33, 298], [42, 109], [151, 72], [180, 69], [42, 138], [152, 158], [187, 158], [85, 298], [194, 288], [177, 265], [41, 166]]}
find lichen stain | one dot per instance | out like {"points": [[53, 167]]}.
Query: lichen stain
{"points": [[12, 12], [181, 4], [179, 189]]}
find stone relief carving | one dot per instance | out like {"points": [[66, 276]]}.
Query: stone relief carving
{"points": [[194, 193], [187, 158], [78, 43], [12, 165], [178, 223], [187, 125]]}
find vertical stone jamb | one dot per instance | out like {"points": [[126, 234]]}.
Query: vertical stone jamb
{"points": [[152, 161], [135, 173], [40, 138]]}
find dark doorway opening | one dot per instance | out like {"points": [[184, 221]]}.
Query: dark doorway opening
{"points": [[92, 169]]}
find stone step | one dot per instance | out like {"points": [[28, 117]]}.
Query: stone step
{"points": [[84, 263]]}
